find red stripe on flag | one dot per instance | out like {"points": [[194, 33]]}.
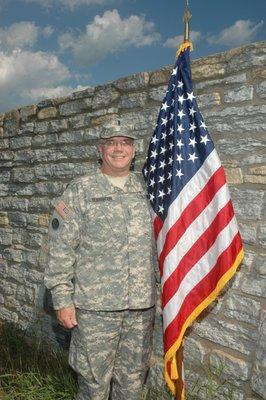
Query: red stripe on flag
{"points": [[199, 248], [192, 211], [157, 224], [202, 290]]}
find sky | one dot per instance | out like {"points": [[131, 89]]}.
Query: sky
{"points": [[50, 48]]}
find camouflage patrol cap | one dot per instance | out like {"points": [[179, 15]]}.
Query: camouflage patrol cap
{"points": [[117, 129]]}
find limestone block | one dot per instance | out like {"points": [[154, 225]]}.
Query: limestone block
{"points": [[132, 82], [253, 56], [80, 121], [1, 132], [234, 175], [248, 203], [237, 119], [208, 100], [258, 73], [23, 175], [82, 93], [257, 179], [194, 352], [20, 142], [6, 155], [208, 68], [249, 257], [42, 127], [133, 100], [260, 264], [4, 221], [238, 78], [236, 95], [262, 235], [161, 76], [258, 381], [74, 107], [1, 120], [248, 233], [7, 315], [48, 112], [261, 89], [4, 144], [229, 367], [5, 176], [71, 137], [27, 112], [258, 170], [14, 203], [104, 96], [25, 293], [26, 128], [254, 285], [158, 93], [44, 140], [242, 308], [228, 334], [144, 120], [11, 123], [5, 237]]}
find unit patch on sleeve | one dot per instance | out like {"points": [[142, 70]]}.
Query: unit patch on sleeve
{"points": [[63, 210]]}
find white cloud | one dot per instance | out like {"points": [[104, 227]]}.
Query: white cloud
{"points": [[50, 92], [26, 75], [174, 42], [241, 32], [18, 35], [109, 34], [48, 31]]}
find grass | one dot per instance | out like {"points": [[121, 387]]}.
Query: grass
{"points": [[31, 370]]}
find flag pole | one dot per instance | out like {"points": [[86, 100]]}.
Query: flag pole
{"points": [[186, 43]]}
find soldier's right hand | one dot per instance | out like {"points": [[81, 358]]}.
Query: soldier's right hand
{"points": [[67, 317]]}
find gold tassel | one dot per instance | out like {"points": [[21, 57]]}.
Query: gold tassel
{"points": [[174, 370], [184, 46]]}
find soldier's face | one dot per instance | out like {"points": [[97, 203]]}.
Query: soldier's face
{"points": [[117, 153]]}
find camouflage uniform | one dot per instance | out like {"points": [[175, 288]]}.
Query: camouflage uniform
{"points": [[101, 260]]}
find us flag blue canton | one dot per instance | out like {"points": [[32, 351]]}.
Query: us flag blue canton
{"points": [[180, 143], [198, 243]]}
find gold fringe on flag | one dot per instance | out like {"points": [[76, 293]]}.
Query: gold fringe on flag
{"points": [[184, 46]]}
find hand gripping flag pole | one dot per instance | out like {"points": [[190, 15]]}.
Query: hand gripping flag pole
{"points": [[198, 243]]}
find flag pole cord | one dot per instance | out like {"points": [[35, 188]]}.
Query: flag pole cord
{"points": [[186, 43]]}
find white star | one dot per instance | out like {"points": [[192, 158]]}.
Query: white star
{"points": [[171, 116], [152, 182], [153, 168], [169, 190], [192, 111], [161, 209], [173, 85], [154, 154], [180, 84], [145, 171], [192, 127], [163, 150], [181, 114], [179, 158], [170, 161], [190, 96], [204, 139], [163, 135], [174, 71], [173, 102], [181, 99], [152, 197], [169, 175], [162, 164], [203, 125], [164, 106], [192, 157], [164, 121], [179, 143], [180, 128], [161, 179], [192, 142], [154, 139], [161, 194], [179, 173], [171, 131], [171, 145]]}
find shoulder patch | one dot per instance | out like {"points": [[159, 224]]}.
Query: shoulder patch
{"points": [[63, 210]]}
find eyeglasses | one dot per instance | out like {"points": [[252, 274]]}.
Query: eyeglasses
{"points": [[114, 143]]}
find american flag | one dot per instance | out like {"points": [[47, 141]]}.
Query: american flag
{"points": [[198, 242]]}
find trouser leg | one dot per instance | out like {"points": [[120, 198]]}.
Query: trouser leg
{"points": [[92, 352], [133, 354]]}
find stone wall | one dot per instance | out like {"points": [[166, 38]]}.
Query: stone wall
{"points": [[44, 146]]}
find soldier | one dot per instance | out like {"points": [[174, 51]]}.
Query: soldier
{"points": [[101, 275]]}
